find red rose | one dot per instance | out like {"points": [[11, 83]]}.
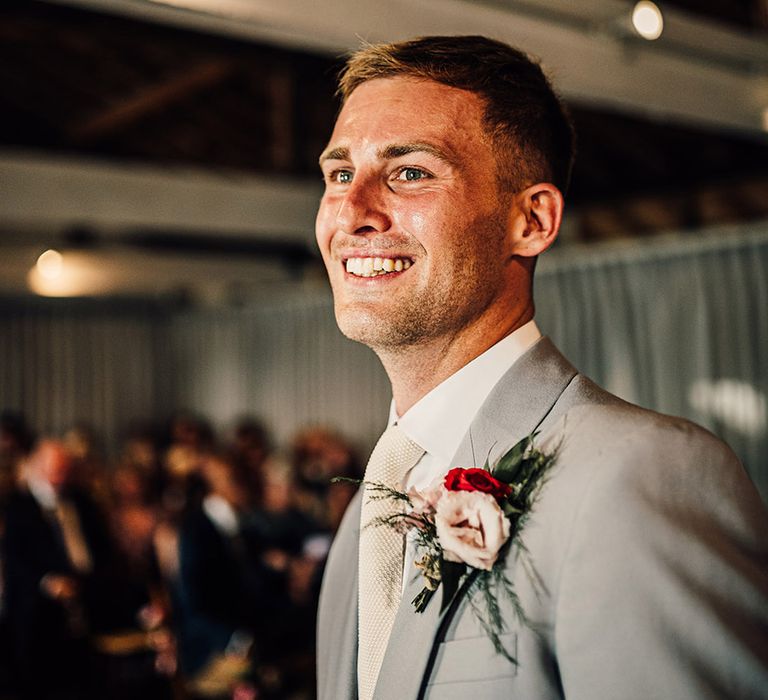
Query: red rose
{"points": [[475, 479]]}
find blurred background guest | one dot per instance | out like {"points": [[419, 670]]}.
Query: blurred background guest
{"points": [[190, 438], [140, 453], [319, 454], [226, 597], [250, 448], [54, 549], [89, 472], [183, 572], [16, 440], [79, 600]]}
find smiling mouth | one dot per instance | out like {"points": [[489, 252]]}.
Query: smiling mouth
{"points": [[375, 267]]}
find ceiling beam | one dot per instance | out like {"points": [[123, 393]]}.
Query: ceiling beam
{"points": [[698, 72], [153, 98], [45, 192]]}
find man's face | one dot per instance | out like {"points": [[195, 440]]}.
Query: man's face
{"points": [[411, 226], [54, 464]]}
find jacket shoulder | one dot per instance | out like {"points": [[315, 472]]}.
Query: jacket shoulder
{"points": [[652, 540]]}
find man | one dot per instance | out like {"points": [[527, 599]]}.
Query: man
{"points": [[55, 552], [645, 573]]}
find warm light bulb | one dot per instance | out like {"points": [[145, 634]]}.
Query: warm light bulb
{"points": [[50, 264], [647, 20]]}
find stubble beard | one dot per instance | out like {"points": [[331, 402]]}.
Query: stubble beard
{"points": [[433, 313]]}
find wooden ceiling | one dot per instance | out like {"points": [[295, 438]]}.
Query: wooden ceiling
{"points": [[74, 81], [80, 82]]}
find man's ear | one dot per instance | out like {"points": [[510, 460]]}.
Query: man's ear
{"points": [[535, 219]]}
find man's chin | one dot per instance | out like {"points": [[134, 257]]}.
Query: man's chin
{"points": [[378, 331], [359, 325]]}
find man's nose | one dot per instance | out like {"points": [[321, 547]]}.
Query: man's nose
{"points": [[363, 208]]}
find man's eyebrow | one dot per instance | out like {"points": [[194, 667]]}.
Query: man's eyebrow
{"points": [[395, 150], [337, 153], [398, 150]]}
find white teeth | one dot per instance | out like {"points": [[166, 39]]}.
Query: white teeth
{"points": [[355, 266], [373, 267]]}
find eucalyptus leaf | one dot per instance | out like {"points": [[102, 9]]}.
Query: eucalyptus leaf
{"points": [[508, 467]]}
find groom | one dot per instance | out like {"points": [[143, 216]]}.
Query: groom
{"points": [[645, 573]]}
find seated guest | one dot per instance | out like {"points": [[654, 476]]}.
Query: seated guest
{"points": [[135, 637], [15, 444], [140, 452], [16, 441], [89, 468], [282, 523], [295, 546], [133, 518], [223, 591], [318, 455], [54, 549], [250, 447], [191, 439]]}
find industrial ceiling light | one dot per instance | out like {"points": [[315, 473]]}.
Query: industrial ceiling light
{"points": [[647, 20], [50, 264]]}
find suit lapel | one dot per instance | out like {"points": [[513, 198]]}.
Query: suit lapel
{"points": [[518, 404]]}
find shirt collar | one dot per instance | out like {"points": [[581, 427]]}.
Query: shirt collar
{"points": [[42, 492], [221, 514], [440, 419]]}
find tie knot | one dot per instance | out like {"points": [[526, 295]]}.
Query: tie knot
{"points": [[394, 455]]}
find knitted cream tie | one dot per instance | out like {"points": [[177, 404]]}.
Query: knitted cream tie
{"points": [[381, 555], [72, 534]]}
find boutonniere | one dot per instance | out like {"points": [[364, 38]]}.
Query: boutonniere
{"points": [[468, 525]]}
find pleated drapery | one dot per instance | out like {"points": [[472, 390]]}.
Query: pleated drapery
{"points": [[674, 324], [67, 361]]}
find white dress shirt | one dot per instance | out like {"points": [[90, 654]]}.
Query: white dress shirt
{"points": [[439, 420], [221, 513]]}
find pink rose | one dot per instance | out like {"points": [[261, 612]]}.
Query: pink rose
{"points": [[471, 528]]}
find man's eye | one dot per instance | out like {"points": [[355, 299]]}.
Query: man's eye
{"points": [[343, 177], [412, 174]]}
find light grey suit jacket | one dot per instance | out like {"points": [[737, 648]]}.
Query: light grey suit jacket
{"points": [[646, 575]]}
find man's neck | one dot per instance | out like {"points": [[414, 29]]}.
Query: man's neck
{"points": [[415, 370]]}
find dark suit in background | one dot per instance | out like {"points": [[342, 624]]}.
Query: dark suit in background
{"points": [[48, 636], [223, 588]]}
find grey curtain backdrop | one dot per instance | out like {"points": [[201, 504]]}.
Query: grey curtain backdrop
{"points": [[287, 364], [66, 361], [677, 323]]}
